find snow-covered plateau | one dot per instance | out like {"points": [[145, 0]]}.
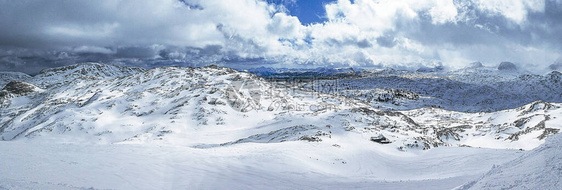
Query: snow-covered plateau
{"points": [[98, 126]]}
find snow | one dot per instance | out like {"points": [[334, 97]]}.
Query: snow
{"points": [[186, 106], [216, 128], [540, 168], [478, 89], [6, 77], [286, 165]]}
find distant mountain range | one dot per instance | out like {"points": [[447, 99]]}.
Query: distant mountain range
{"points": [[109, 104]]}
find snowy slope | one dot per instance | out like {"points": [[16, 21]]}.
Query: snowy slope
{"points": [[540, 168], [524, 127], [289, 165], [467, 90], [212, 106], [213, 127], [6, 77], [147, 105], [59, 76]]}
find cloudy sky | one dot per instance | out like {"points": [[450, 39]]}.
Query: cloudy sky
{"points": [[35, 34]]}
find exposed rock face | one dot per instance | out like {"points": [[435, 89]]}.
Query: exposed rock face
{"points": [[475, 65], [507, 66], [19, 88], [555, 66], [310, 138], [54, 77], [4, 94], [380, 139], [432, 69], [6, 77], [15, 89], [159, 103], [554, 77]]}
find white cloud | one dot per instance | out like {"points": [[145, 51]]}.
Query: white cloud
{"points": [[286, 26], [401, 32], [515, 10], [443, 11], [98, 32], [356, 33], [92, 49]]}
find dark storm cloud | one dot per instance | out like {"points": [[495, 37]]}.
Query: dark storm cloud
{"points": [[405, 33], [363, 43], [386, 41], [136, 52], [116, 30]]}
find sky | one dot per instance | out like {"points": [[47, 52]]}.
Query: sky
{"points": [[307, 11], [403, 34]]}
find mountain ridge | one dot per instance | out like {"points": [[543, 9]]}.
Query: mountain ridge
{"points": [[169, 104]]}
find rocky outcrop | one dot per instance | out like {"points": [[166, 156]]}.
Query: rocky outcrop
{"points": [[475, 65], [17, 88], [507, 66], [380, 139]]}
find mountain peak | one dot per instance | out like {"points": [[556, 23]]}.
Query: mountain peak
{"points": [[477, 64], [19, 87], [6, 77], [91, 68], [59, 75], [507, 66]]}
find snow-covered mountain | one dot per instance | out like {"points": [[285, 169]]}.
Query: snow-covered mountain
{"points": [[120, 106], [6, 77], [304, 72], [473, 89], [103, 103], [241, 122], [540, 168], [48, 78]]}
